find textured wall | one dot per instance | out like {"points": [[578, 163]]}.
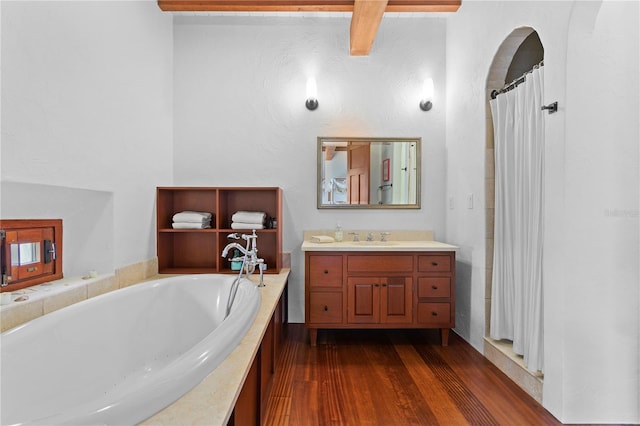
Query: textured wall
{"points": [[86, 105], [591, 271], [240, 117]]}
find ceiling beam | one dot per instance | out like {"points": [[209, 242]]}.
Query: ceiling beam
{"points": [[366, 18], [302, 5]]}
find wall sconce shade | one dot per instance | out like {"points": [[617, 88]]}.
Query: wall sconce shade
{"points": [[426, 103], [312, 94]]}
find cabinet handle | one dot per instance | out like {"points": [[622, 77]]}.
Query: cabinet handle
{"points": [[326, 271], [377, 285], [435, 287], [384, 285], [434, 314], [434, 263], [326, 308]]}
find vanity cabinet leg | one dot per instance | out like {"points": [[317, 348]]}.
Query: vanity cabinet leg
{"points": [[444, 336], [313, 336]]}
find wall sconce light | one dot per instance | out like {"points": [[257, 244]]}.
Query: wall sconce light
{"points": [[312, 94], [427, 95]]}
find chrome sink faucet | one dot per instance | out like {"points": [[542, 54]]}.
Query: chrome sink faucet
{"points": [[356, 236], [370, 236]]}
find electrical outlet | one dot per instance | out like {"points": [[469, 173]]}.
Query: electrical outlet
{"points": [[451, 203], [470, 201]]}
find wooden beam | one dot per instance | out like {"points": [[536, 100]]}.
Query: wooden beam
{"points": [[301, 5], [257, 5], [329, 152], [423, 5], [366, 18], [367, 15]]}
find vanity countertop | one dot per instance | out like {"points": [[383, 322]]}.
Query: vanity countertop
{"points": [[396, 241], [378, 246]]}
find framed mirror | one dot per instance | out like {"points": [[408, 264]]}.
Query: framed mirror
{"points": [[368, 173]]}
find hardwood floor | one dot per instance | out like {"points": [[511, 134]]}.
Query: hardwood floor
{"points": [[392, 377]]}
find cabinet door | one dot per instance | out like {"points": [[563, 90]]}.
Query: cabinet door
{"points": [[396, 302], [363, 297]]}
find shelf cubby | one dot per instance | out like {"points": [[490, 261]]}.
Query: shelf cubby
{"points": [[199, 250]]}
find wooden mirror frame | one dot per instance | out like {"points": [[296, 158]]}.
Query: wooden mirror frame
{"points": [[361, 141]]}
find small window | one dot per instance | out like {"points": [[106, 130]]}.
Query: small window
{"points": [[30, 253]]}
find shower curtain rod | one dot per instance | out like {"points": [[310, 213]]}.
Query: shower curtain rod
{"points": [[515, 82]]}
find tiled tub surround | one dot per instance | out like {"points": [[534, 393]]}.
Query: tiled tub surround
{"points": [[48, 297], [123, 356]]}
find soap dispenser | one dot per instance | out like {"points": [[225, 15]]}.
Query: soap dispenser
{"points": [[338, 233]]}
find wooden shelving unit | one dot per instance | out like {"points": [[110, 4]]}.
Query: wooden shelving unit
{"points": [[197, 251]]}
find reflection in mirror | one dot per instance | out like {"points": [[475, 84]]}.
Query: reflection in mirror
{"points": [[368, 172], [25, 254]]}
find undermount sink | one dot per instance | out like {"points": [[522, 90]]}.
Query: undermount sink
{"points": [[375, 243]]}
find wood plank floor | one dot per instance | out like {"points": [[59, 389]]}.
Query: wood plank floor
{"points": [[392, 377]]}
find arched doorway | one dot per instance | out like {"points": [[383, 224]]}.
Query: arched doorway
{"points": [[517, 54]]}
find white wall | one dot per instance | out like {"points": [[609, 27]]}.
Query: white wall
{"points": [[88, 104], [87, 109], [592, 173], [240, 117]]}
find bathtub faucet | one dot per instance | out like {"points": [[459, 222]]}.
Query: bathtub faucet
{"points": [[249, 256], [249, 261]]}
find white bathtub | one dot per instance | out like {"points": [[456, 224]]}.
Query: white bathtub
{"points": [[123, 356]]}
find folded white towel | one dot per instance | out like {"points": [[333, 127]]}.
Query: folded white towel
{"points": [[249, 217], [191, 225], [322, 239], [240, 225], [190, 216]]}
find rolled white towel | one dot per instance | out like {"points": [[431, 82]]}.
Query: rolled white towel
{"points": [[249, 217], [191, 216], [191, 225], [322, 239], [240, 225]]}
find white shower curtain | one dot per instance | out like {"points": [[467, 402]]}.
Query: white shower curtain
{"points": [[516, 294]]}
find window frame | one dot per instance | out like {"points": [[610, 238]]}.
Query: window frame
{"points": [[20, 231]]}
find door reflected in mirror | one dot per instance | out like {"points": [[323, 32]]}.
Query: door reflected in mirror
{"points": [[368, 172]]}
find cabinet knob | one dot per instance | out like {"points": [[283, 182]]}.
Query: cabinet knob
{"points": [[326, 308], [435, 287], [434, 314], [384, 285], [377, 285], [326, 271], [434, 263]]}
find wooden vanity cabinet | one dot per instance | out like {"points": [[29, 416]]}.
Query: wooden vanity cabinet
{"points": [[379, 290]]}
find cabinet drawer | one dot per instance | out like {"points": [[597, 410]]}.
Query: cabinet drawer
{"points": [[325, 271], [434, 287], [434, 263], [434, 314], [325, 308], [382, 263]]}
